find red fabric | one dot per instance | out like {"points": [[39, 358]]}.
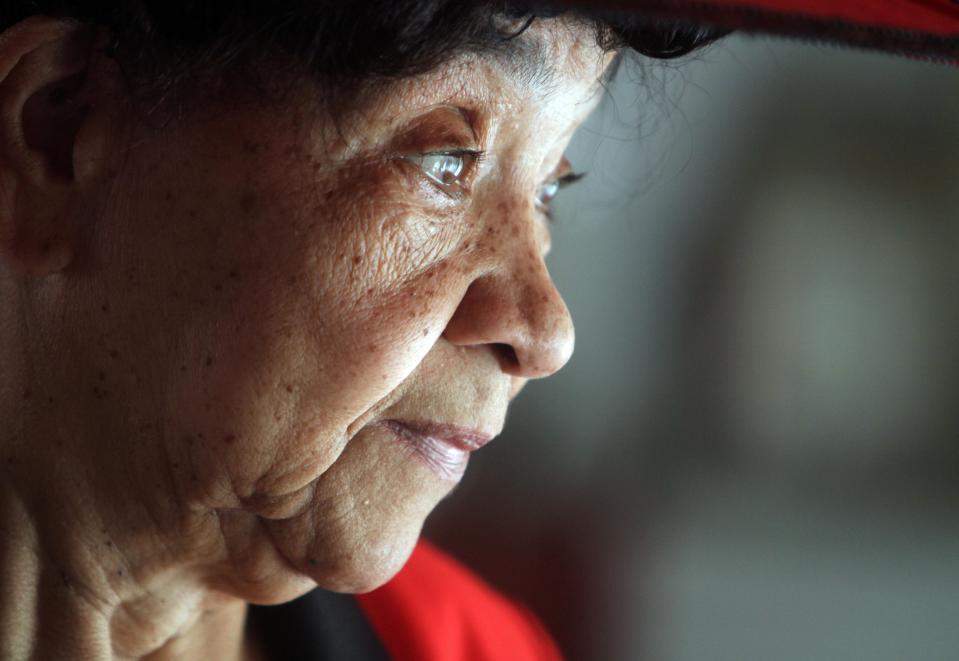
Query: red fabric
{"points": [[437, 610], [919, 28], [939, 17], [936, 17]]}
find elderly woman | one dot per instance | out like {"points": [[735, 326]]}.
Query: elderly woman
{"points": [[269, 273], [267, 277]]}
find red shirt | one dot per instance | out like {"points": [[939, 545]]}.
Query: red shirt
{"points": [[437, 610]]}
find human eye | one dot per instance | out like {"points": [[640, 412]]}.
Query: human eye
{"points": [[448, 169], [549, 190]]}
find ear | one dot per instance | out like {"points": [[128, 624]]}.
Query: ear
{"points": [[45, 152]]}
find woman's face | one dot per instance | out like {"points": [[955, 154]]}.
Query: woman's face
{"points": [[307, 322]]}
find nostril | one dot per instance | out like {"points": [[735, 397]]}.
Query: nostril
{"points": [[507, 357]]}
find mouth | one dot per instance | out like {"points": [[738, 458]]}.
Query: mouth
{"points": [[444, 448]]}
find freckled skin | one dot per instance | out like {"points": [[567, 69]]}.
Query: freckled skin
{"points": [[262, 288]]}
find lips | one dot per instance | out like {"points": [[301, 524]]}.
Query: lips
{"points": [[444, 448]]}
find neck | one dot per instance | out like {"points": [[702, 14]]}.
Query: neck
{"points": [[71, 586], [99, 559]]}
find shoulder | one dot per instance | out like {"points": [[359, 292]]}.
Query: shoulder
{"points": [[437, 610]]}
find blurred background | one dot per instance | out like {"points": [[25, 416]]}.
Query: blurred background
{"points": [[754, 452]]}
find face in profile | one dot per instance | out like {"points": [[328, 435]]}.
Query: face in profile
{"points": [[289, 325]]}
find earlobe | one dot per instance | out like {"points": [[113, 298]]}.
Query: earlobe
{"points": [[43, 68]]}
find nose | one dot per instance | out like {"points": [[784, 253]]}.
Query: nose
{"points": [[517, 312]]}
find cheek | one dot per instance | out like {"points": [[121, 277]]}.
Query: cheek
{"points": [[387, 283], [314, 317]]}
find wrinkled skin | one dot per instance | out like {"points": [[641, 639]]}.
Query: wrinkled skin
{"points": [[206, 323]]}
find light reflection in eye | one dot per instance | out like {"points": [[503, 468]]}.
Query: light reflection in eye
{"points": [[551, 189], [442, 167], [547, 192]]}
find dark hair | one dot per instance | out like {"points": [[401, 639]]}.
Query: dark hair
{"points": [[160, 42]]}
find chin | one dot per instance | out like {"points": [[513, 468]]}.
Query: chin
{"points": [[364, 566], [287, 567]]}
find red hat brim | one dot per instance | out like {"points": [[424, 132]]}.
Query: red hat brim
{"points": [[918, 28]]}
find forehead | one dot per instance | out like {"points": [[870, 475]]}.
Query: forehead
{"points": [[555, 67]]}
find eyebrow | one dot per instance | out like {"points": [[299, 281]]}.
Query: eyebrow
{"points": [[529, 59]]}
